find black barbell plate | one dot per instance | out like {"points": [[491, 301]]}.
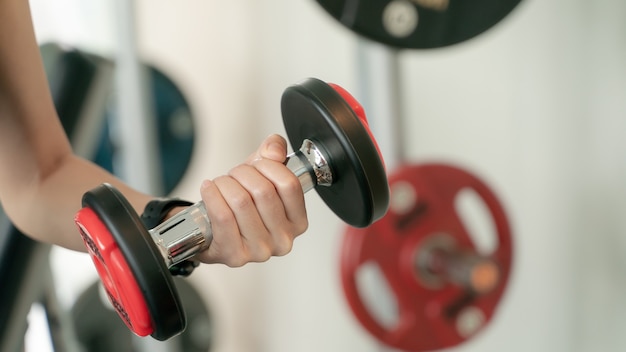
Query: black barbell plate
{"points": [[423, 24], [314, 110], [99, 329]]}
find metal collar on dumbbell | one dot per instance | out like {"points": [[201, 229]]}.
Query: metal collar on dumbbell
{"points": [[310, 166]]}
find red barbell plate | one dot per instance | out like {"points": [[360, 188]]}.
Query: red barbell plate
{"points": [[129, 264], [427, 317], [359, 111], [115, 274]]}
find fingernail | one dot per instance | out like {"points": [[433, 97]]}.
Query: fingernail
{"points": [[276, 149]]}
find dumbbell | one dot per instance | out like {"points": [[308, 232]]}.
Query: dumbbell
{"points": [[335, 154]]}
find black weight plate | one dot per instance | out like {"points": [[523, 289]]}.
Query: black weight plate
{"points": [[419, 24], [99, 329], [359, 193]]}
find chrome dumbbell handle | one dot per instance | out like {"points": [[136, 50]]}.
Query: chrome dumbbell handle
{"points": [[189, 232]]}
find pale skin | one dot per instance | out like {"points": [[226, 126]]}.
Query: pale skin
{"points": [[257, 209]]}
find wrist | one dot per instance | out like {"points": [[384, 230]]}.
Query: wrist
{"points": [[160, 209]]}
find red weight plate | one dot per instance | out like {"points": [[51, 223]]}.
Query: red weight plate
{"points": [[359, 111], [129, 262], [428, 317], [115, 274]]}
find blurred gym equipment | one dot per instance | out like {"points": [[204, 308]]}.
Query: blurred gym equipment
{"points": [[442, 279], [431, 287], [92, 105], [419, 24], [99, 329]]}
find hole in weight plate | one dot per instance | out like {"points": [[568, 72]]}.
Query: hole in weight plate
{"points": [[376, 295], [477, 220]]}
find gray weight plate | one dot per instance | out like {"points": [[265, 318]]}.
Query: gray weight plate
{"points": [[99, 329]]}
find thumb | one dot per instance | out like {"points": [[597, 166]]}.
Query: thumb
{"points": [[273, 147]]}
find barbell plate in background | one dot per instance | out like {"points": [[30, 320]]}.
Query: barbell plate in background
{"points": [[419, 24]]}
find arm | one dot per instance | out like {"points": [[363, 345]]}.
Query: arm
{"points": [[256, 210], [41, 181]]}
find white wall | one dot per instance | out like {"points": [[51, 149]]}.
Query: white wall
{"points": [[536, 107]]}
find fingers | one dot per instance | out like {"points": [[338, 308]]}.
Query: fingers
{"points": [[289, 190], [273, 147], [256, 211], [222, 222], [239, 235], [271, 211]]}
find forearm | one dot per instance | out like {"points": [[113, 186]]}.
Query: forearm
{"points": [[41, 181], [46, 210]]}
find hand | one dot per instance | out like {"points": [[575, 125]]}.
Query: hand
{"points": [[257, 210]]}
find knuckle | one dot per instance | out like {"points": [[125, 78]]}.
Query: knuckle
{"points": [[301, 226], [283, 245], [236, 260], [261, 254], [223, 217], [241, 201], [264, 193], [291, 185]]}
